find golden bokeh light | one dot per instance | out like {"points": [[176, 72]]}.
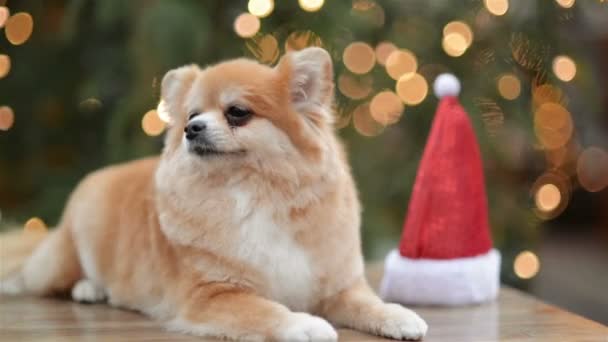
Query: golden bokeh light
{"points": [[260, 8], [386, 107], [7, 118], [363, 5], [548, 197], [551, 193], [311, 5], [19, 28], [364, 123], [265, 48], [412, 89], [90, 105], [355, 88], [546, 93], [401, 63], [497, 7], [5, 65], [246, 25], [369, 11], [526, 265], [152, 124], [4, 14], [553, 125], [509, 86], [564, 68], [565, 3], [359, 57], [35, 225], [460, 28], [302, 39], [454, 44], [383, 50], [592, 169]]}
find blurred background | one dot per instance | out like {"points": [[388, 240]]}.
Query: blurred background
{"points": [[79, 81]]}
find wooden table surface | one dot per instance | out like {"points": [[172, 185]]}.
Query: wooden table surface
{"points": [[514, 317]]}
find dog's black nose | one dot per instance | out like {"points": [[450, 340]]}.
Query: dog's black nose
{"points": [[193, 129]]}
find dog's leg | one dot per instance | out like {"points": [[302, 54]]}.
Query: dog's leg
{"points": [[225, 311], [357, 307]]}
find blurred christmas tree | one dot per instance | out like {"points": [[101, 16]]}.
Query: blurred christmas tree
{"points": [[84, 85]]}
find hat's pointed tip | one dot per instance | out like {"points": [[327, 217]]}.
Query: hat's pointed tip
{"points": [[446, 85]]}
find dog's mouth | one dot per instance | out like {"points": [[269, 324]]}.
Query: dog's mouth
{"points": [[210, 151]]}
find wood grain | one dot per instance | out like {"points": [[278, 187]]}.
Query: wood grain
{"points": [[514, 317]]}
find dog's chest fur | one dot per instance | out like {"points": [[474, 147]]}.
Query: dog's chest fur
{"points": [[265, 240], [250, 226]]}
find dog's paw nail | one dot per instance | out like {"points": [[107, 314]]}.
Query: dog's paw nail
{"points": [[305, 327]]}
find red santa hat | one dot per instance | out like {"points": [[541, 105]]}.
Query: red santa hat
{"points": [[445, 256]]}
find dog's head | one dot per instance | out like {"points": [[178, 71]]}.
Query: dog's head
{"points": [[243, 109]]}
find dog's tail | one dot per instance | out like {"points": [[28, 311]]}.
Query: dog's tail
{"points": [[15, 247], [37, 262]]}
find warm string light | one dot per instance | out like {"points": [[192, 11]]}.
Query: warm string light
{"points": [[260, 8], [457, 38], [509, 86], [4, 15], [548, 198], [497, 7], [526, 265], [564, 68], [265, 49], [19, 28], [460, 28], [90, 105], [364, 123], [553, 125], [7, 118], [401, 63], [370, 11], [551, 193], [246, 25], [152, 124], [35, 225], [359, 57], [386, 108], [355, 88], [546, 93], [311, 5], [383, 50], [412, 88], [592, 169], [565, 3], [5, 65]]}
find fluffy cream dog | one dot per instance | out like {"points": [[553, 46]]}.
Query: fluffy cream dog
{"points": [[246, 227]]}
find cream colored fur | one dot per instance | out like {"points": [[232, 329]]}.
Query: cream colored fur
{"points": [[257, 243]]}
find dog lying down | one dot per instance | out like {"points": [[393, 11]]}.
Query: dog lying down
{"points": [[246, 227]]}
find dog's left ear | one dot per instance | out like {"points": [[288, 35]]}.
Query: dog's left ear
{"points": [[309, 77], [174, 86]]}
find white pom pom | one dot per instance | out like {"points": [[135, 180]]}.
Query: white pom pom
{"points": [[446, 85]]}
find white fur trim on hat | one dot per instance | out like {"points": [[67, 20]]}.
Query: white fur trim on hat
{"points": [[441, 282], [446, 85]]}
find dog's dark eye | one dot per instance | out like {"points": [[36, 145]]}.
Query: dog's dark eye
{"points": [[192, 115], [237, 115]]}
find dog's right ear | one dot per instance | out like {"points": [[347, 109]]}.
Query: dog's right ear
{"points": [[174, 87]]}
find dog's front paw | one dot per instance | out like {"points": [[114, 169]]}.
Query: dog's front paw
{"points": [[305, 327], [401, 323], [86, 291]]}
